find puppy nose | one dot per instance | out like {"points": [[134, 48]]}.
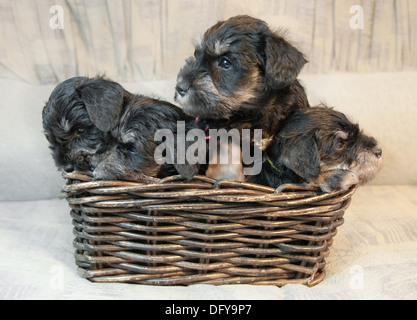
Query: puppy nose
{"points": [[378, 153], [181, 90], [69, 168]]}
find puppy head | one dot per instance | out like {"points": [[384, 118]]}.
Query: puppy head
{"points": [[237, 61], [324, 148], [76, 118]]}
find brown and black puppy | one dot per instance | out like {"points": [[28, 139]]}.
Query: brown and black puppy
{"points": [[243, 75], [321, 147], [94, 124]]}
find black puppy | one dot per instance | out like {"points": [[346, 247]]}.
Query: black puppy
{"points": [[243, 75], [93, 124], [321, 147]]}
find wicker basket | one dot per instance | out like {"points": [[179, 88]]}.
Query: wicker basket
{"points": [[172, 232]]}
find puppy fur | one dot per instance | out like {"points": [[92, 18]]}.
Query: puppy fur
{"points": [[242, 75], [321, 147], [94, 124]]}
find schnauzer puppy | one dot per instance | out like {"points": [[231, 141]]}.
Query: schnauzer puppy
{"points": [[242, 75], [93, 124], [321, 147]]}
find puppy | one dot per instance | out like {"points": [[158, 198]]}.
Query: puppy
{"points": [[94, 124], [321, 147], [243, 75]]}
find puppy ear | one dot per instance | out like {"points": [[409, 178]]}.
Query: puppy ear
{"points": [[103, 100], [301, 155], [283, 62]]}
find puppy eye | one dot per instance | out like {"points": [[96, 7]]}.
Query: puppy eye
{"points": [[80, 130], [225, 63], [340, 144]]}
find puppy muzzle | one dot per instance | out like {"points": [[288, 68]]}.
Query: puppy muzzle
{"points": [[80, 160]]}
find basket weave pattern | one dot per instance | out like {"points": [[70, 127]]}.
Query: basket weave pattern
{"points": [[172, 232]]}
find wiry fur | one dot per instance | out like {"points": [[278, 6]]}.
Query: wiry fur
{"points": [[320, 146], [242, 75], [258, 90], [93, 124]]}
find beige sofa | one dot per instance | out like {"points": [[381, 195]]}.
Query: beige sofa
{"points": [[370, 74]]}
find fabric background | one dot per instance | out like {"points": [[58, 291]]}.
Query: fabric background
{"points": [[137, 40]]}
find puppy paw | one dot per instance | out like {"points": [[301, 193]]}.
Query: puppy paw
{"points": [[187, 171], [105, 171]]}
